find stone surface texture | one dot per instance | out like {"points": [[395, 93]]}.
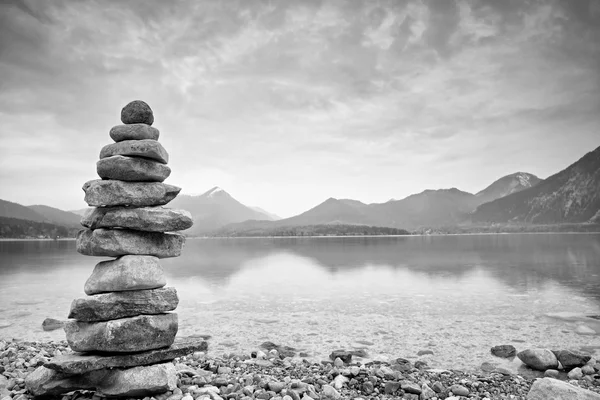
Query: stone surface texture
{"points": [[132, 169], [126, 273], [133, 132], [540, 359], [137, 112], [109, 193], [132, 382], [80, 363], [136, 148], [135, 334], [504, 351], [149, 219], [107, 306], [119, 242], [553, 389]]}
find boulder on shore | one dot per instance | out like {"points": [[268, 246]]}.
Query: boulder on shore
{"points": [[571, 358], [120, 133], [119, 242], [148, 219], [132, 169], [109, 193], [540, 359], [549, 388], [125, 335], [126, 273], [137, 148], [108, 306]]}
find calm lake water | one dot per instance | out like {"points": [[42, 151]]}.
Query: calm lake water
{"points": [[392, 296]]}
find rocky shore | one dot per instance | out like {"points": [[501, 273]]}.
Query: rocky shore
{"points": [[275, 372]]}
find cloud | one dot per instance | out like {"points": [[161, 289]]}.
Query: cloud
{"points": [[373, 99]]}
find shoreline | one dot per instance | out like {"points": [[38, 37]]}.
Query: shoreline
{"points": [[269, 373]]}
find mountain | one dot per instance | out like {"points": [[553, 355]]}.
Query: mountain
{"points": [[272, 217], [80, 212], [570, 196], [332, 211], [506, 185], [56, 216], [14, 210], [214, 209]]}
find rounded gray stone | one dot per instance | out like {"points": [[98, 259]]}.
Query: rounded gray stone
{"points": [[120, 242], [133, 132], [540, 359], [112, 193], [137, 148], [137, 112], [126, 273], [132, 169], [125, 335], [149, 219]]}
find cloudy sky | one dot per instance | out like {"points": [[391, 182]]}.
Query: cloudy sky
{"points": [[287, 103]]}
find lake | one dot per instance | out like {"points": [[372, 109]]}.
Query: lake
{"points": [[455, 296]]}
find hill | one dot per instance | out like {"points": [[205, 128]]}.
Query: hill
{"points": [[56, 216], [14, 210], [570, 196], [506, 185]]}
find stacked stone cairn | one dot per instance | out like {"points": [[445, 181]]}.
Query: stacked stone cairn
{"points": [[123, 332]]}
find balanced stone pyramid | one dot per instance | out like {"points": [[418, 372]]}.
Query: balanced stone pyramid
{"points": [[124, 330]]}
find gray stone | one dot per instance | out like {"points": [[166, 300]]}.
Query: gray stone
{"points": [[46, 382], [149, 219], [132, 382], [459, 390], [134, 334], [504, 351], [133, 132], [571, 358], [51, 324], [136, 148], [80, 363], [132, 169], [551, 373], [548, 388], [109, 193], [139, 381], [119, 242], [427, 392], [540, 359], [575, 373], [126, 273], [104, 307], [137, 112], [411, 387]]}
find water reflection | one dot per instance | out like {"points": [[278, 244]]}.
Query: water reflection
{"points": [[457, 295]]}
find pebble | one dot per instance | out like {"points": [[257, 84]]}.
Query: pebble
{"points": [[575, 373]]}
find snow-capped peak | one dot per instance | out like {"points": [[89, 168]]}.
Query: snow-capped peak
{"points": [[214, 191]]}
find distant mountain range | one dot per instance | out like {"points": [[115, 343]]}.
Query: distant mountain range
{"points": [[18, 221], [571, 196]]}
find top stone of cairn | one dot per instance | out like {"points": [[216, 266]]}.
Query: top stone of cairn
{"points": [[137, 112]]}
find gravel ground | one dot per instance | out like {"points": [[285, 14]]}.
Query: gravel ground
{"points": [[265, 375]]}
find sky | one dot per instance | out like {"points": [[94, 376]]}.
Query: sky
{"points": [[286, 103]]}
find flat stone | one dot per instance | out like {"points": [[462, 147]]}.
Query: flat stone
{"points": [[133, 132], [126, 273], [540, 359], [125, 335], [549, 388], [504, 351], [137, 148], [120, 242], [149, 219], [137, 112], [109, 193], [80, 363], [132, 382], [107, 306], [132, 169], [52, 324], [571, 358]]}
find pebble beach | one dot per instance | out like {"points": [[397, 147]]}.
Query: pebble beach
{"points": [[275, 372]]}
